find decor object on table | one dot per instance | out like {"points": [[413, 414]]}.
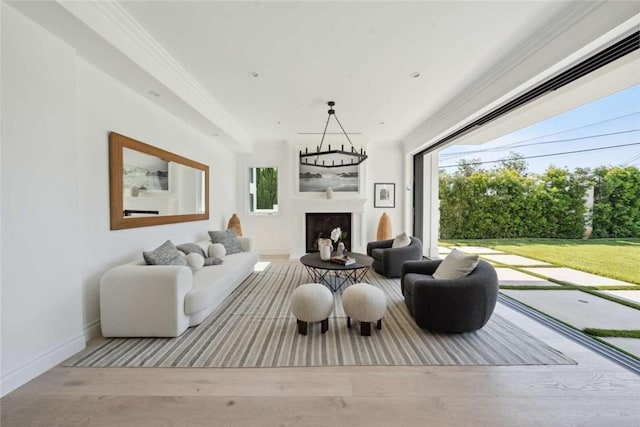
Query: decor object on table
{"points": [[384, 227], [311, 302], [329, 193], [135, 191], [333, 158], [337, 236], [364, 303], [325, 247], [388, 260], [234, 222], [384, 195], [457, 305]]}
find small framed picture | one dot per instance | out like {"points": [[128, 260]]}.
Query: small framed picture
{"points": [[385, 195]]}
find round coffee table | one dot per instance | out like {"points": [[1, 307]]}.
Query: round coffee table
{"points": [[335, 275]]}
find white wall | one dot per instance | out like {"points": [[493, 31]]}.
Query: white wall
{"points": [[386, 165], [41, 278], [56, 241], [271, 232], [105, 105]]}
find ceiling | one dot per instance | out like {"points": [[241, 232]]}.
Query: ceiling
{"points": [[247, 73]]}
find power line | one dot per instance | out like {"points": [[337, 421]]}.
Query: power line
{"points": [[576, 128], [549, 155], [459, 154], [494, 149], [630, 161]]}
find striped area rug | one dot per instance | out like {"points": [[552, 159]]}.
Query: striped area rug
{"points": [[254, 328]]}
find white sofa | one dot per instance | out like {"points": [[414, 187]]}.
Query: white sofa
{"points": [[139, 300]]}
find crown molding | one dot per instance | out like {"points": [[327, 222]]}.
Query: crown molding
{"points": [[115, 25]]}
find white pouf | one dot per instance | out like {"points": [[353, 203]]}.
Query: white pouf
{"points": [[364, 303], [311, 302]]}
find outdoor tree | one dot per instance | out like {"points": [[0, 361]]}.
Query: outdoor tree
{"points": [[267, 187]]}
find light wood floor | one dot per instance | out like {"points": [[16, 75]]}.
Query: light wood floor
{"points": [[595, 392]]}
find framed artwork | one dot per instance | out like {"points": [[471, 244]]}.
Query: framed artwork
{"points": [[318, 179], [384, 195]]}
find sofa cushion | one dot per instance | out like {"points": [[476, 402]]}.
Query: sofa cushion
{"points": [[401, 241], [195, 261], [456, 265], [190, 248], [212, 261], [217, 250], [228, 239], [165, 254]]}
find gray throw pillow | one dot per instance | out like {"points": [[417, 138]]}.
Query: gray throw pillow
{"points": [[165, 254], [212, 261], [189, 248], [228, 239]]}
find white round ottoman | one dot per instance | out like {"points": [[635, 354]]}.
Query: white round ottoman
{"points": [[311, 302], [364, 303]]}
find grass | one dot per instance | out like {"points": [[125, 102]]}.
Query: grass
{"points": [[614, 258], [633, 333]]}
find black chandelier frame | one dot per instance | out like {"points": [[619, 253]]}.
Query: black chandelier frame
{"points": [[314, 158]]}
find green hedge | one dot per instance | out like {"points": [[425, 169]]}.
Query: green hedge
{"points": [[507, 202]]}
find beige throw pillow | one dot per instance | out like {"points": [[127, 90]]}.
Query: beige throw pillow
{"points": [[401, 241], [456, 265]]}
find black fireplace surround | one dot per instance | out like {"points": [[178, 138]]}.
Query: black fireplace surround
{"points": [[319, 226]]}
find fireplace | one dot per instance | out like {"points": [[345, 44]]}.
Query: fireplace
{"points": [[319, 225]]}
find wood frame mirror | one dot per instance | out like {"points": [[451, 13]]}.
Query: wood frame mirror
{"points": [[167, 191]]}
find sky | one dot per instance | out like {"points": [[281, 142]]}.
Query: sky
{"points": [[609, 121]]}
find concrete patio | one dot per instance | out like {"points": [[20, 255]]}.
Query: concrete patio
{"points": [[572, 306]]}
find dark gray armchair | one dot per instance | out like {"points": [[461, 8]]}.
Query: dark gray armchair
{"points": [[388, 261], [451, 305]]}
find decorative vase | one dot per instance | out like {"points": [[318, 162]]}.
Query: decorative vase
{"points": [[325, 252], [234, 222], [135, 191], [384, 228], [329, 193], [340, 250]]}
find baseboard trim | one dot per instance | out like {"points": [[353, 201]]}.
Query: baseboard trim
{"points": [[92, 330], [578, 336], [40, 364]]}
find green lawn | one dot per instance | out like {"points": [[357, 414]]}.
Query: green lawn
{"points": [[615, 258]]}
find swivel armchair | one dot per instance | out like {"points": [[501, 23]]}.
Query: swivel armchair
{"points": [[388, 261]]}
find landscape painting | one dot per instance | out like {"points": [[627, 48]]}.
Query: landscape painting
{"points": [[317, 178]]}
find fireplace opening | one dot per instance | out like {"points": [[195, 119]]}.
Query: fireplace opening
{"points": [[319, 226]]}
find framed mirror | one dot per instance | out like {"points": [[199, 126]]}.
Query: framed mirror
{"points": [[150, 186]]}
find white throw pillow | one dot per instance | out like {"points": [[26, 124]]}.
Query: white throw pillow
{"points": [[195, 261], [456, 265], [217, 250], [401, 241]]}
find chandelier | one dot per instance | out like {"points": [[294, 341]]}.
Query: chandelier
{"points": [[333, 158]]}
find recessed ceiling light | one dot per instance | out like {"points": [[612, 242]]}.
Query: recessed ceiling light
{"points": [[414, 75], [381, 123], [254, 74], [279, 122], [154, 93]]}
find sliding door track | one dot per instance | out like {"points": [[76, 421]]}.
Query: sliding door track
{"points": [[580, 337]]}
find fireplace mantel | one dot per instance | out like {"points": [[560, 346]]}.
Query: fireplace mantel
{"points": [[302, 205]]}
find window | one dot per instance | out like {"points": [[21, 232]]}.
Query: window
{"points": [[263, 190]]}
